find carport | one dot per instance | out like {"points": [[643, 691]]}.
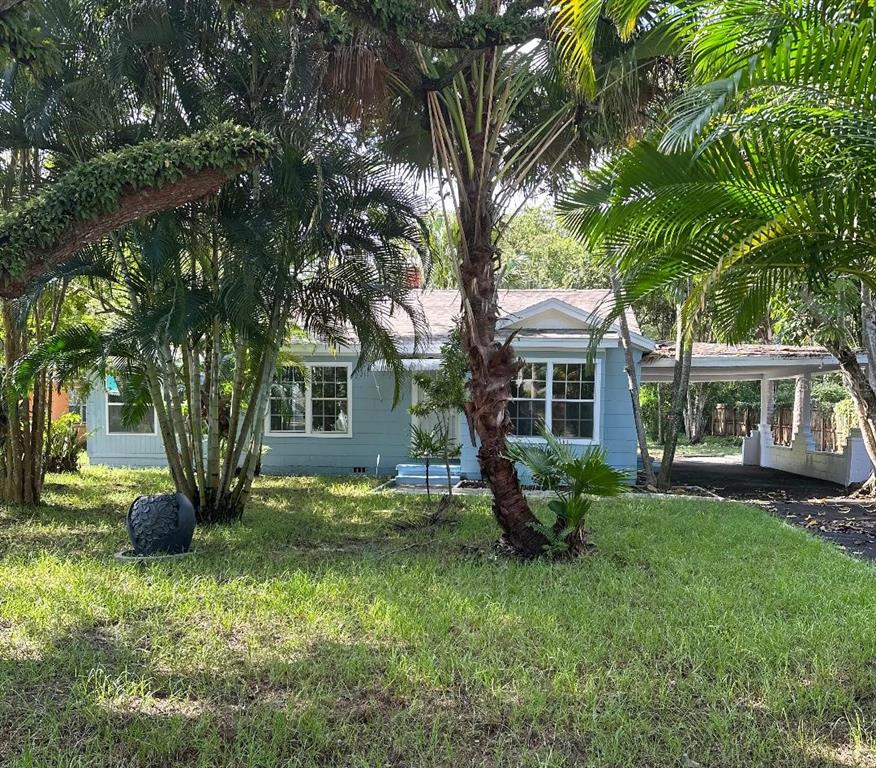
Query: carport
{"points": [[768, 363]]}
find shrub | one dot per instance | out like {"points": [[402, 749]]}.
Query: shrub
{"points": [[65, 444], [574, 479]]}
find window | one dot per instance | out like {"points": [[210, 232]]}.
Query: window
{"points": [[115, 424], [313, 401], [558, 395], [75, 404], [529, 398], [572, 401], [288, 401]]}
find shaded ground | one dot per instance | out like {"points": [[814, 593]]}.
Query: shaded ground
{"points": [[816, 505], [319, 633]]}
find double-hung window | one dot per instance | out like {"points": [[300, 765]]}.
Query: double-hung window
{"points": [[311, 400], [559, 396]]}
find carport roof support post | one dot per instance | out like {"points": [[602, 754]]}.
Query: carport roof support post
{"points": [[767, 402], [802, 429]]}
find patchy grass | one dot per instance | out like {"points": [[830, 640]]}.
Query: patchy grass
{"points": [[709, 446], [316, 634]]}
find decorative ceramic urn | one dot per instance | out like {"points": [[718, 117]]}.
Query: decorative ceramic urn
{"points": [[161, 525]]}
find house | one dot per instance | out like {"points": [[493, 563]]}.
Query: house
{"points": [[348, 424], [343, 423]]}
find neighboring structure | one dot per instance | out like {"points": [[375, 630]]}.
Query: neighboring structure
{"points": [[326, 420]]}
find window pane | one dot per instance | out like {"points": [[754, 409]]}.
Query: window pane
{"points": [[531, 381], [329, 405], [572, 420], [115, 424], [572, 381], [527, 417], [330, 416], [287, 401]]}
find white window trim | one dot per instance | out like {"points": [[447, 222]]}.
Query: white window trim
{"points": [[111, 433], [308, 408], [549, 389]]}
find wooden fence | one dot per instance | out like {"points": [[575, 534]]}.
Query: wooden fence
{"points": [[732, 422], [727, 421]]}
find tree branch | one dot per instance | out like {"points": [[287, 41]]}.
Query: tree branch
{"points": [[132, 206]]}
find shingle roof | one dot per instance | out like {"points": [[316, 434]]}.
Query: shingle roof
{"points": [[666, 349], [441, 308]]}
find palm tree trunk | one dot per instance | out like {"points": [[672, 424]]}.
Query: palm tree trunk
{"points": [[864, 397], [633, 384], [237, 388], [868, 331], [680, 381], [192, 372], [493, 365], [213, 410]]}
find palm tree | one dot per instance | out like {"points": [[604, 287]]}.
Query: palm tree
{"points": [[473, 89], [758, 186], [199, 326], [317, 239]]}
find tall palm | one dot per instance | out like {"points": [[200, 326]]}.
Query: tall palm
{"points": [[318, 239], [759, 183], [474, 88]]}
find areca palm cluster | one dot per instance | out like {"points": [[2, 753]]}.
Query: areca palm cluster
{"points": [[201, 301], [757, 184]]}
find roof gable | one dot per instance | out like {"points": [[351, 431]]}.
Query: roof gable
{"points": [[549, 315]]}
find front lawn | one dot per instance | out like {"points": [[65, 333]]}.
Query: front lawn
{"points": [[317, 634]]}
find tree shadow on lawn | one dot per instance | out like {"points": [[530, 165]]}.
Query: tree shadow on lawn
{"points": [[311, 513], [256, 653], [92, 698], [95, 698]]}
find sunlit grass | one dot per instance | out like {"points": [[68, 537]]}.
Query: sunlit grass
{"points": [[315, 633]]}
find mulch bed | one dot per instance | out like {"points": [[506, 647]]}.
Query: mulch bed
{"points": [[848, 523]]}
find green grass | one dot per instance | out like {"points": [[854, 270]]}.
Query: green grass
{"points": [[316, 634], [709, 446]]}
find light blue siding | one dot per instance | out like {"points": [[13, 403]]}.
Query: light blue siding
{"points": [[118, 450], [617, 434], [378, 430]]}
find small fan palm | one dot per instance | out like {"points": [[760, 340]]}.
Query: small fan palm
{"points": [[574, 478]]}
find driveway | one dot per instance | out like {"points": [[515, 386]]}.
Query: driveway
{"points": [[817, 505]]}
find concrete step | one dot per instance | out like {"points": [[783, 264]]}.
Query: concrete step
{"points": [[406, 470], [419, 481]]}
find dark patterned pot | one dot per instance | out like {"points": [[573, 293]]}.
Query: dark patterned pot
{"points": [[161, 524]]}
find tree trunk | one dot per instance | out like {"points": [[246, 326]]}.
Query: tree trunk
{"points": [[864, 397], [24, 444], [680, 380], [633, 385], [695, 403], [868, 332], [493, 365], [661, 432]]}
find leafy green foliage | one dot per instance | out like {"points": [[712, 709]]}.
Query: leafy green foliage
{"points": [[555, 466], [95, 187], [65, 444], [442, 396], [23, 41], [766, 189], [538, 252]]}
